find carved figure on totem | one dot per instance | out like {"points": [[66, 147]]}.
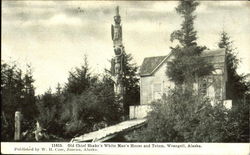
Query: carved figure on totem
{"points": [[116, 33], [116, 30]]}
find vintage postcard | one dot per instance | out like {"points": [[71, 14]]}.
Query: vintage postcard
{"points": [[125, 77]]}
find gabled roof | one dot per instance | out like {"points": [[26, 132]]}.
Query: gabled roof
{"points": [[151, 64]]}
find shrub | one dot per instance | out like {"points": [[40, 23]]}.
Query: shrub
{"points": [[186, 117]]}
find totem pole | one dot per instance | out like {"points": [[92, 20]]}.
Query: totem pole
{"points": [[118, 60]]}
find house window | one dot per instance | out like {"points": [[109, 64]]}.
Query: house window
{"points": [[157, 93]]}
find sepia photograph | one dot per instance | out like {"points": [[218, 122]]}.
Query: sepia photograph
{"points": [[125, 72]]}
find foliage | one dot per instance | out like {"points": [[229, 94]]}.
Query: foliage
{"points": [[29, 98], [236, 84], [187, 65], [239, 122], [50, 107], [17, 92], [105, 93], [87, 102], [187, 34], [186, 117], [237, 90], [94, 108], [79, 79], [131, 83]]}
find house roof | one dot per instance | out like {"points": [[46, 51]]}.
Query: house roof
{"points": [[151, 64]]}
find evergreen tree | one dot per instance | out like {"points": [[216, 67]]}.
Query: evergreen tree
{"points": [[50, 108], [236, 86], [17, 92], [89, 102], [237, 90], [11, 97], [107, 107], [131, 83], [187, 34], [93, 109], [187, 65], [79, 79], [58, 89], [29, 109]]}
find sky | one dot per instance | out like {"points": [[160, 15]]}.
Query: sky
{"points": [[54, 36]]}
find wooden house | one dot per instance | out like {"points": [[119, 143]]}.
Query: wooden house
{"points": [[154, 83]]}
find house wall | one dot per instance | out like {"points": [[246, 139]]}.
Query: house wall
{"points": [[139, 111], [154, 86], [216, 90]]}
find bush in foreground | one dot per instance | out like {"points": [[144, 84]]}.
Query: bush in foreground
{"points": [[187, 117]]}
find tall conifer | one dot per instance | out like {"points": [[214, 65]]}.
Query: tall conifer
{"points": [[236, 86], [187, 64]]}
